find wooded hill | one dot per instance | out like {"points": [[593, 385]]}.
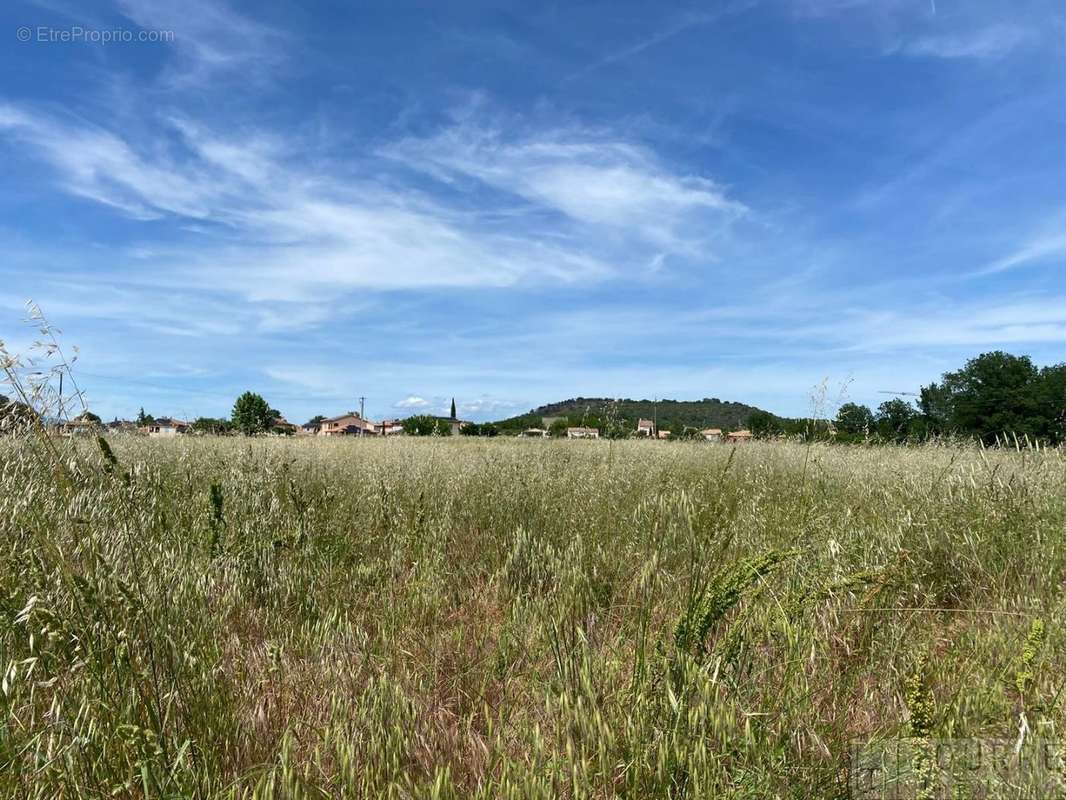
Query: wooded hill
{"points": [[671, 414]]}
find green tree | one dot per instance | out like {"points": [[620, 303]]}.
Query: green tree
{"points": [[763, 424], [894, 418], [937, 404], [418, 425], [315, 422], [854, 420], [453, 409], [144, 419], [425, 425], [211, 425], [1051, 399], [252, 414], [995, 394], [558, 427], [475, 429]]}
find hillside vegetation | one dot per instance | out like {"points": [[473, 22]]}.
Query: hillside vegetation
{"points": [[671, 414], [500, 618]]}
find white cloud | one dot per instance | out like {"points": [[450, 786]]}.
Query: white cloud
{"points": [[210, 39], [993, 42], [489, 407], [264, 224], [175, 311], [270, 229], [601, 183], [100, 166], [1038, 249], [317, 381], [412, 401], [1004, 323]]}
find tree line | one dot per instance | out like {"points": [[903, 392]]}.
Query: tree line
{"points": [[992, 398], [251, 414]]}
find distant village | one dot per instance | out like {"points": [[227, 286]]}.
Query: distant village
{"points": [[353, 423]]}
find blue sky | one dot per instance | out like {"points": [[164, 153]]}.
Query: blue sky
{"points": [[513, 203]]}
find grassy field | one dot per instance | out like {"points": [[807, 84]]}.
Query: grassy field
{"points": [[515, 619]]}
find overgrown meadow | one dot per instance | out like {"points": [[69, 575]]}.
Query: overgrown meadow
{"points": [[491, 618]]}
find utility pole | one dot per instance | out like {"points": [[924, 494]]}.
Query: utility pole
{"points": [[362, 430], [655, 418]]}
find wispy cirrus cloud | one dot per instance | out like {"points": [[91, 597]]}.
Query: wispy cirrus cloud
{"points": [[211, 41], [590, 178], [96, 164], [267, 225], [988, 43], [489, 407], [676, 27], [929, 328], [1039, 248]]}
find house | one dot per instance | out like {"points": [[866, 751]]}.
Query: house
{"points": [[535, 433], [645, 427], [738, 437], [389, 427], [283, 426], [582, 433], [166, 426], [663, 435], [350, 424], [455, 424], [712, 434], [80, 425]]}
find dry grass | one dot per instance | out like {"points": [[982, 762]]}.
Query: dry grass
{"points": [[502, 618]]}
